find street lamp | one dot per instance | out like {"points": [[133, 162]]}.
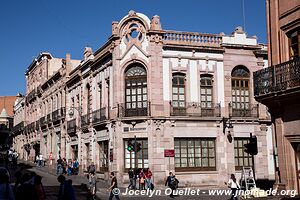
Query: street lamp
{"points": [[227, 124]]}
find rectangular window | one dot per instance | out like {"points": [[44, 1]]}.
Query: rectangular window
{"points": [[242, 159], [294, 44], [195, 154], [206, 91], [142, 155]]}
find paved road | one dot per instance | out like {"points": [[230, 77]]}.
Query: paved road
{"points": [[52, 188]]}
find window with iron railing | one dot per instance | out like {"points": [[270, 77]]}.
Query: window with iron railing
{"points": [[136, 100], [178, 92], [206, 91], [240, 88]]}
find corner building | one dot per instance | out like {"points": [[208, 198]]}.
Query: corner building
{"points": [[170, 89]]}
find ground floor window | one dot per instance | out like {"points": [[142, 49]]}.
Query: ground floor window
{"points": [[242, 159], [142, 155], [103, 156], [195, 154]]}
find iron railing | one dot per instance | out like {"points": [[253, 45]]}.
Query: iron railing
{"points": [[31, 95], [19, 127], [277, 78], [140, 109], [56, 115], [99, 115], [71, 126], [49, 118], [85, 120], [42, 121], [196, 109], [243, 110]]}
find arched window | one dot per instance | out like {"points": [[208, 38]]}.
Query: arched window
{"points": [[240, 82], [136, 99], [178, 94]]}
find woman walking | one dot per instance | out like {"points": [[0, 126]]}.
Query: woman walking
{"points": [[234, 185]]}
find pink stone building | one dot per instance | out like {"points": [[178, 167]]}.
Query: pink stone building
{"points": [[168, 89]]}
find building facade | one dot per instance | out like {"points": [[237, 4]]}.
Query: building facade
{"points": [[170, 90], [277, 87]]}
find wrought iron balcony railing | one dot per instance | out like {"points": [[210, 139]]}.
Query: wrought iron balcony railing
{"points": [[277, 78], [42, 121], [243, 110], [196, 110], [139, 109], [49, 118], [19, 127], [71, 127], [56, 115], [99, 115], [31, 95], [85, 120]]}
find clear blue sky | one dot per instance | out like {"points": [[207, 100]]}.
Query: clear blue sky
{"points": [[67, 26]]}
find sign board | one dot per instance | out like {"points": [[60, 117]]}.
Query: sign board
{"points": [[169, 153]]}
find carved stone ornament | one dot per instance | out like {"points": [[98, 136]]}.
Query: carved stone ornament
{"points": [[133, 31]]}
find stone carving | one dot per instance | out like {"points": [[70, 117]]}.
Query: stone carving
{"points": [[155, 23]]}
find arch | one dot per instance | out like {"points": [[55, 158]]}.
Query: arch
{"points": [[240, 71], [136, 97]]}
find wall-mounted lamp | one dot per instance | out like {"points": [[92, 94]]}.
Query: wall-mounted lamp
{"points": [[227, 124]]}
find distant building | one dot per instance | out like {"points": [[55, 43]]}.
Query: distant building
{"points": [[278, 87], [6, 109], [169, 89]]}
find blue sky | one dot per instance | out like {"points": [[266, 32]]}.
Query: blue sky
{"points": [[67, 26]]}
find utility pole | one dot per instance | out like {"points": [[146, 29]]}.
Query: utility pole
{"points": [[135, 161]]}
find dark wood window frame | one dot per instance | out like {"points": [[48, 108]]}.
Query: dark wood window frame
{"points": [[294, 43], [241, 158], [142, 155], [208, 148], [206, 87], [240, 86]]}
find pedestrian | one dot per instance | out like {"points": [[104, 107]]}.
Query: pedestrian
{"points": [[41, 160], [142, 178], [91, 168], [131, 175], [148, 175], [37, 158], [26, 188], [6, 192], [234, 185], [59, 166], [171, 183], [39, 188], [64, 166], [75, 166], [66, 190], [92, 185], [113, 189]]}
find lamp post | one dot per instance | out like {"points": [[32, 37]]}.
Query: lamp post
{"points": [[227, 124]]}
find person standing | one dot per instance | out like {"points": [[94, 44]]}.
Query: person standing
{"points": [[170, 182], [66, 190], [149, 179], [92, 184], [235, 186], [113, 187], [131, 179], [39, 188]]}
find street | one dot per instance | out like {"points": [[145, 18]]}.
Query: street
{"points": [[49, 180]]}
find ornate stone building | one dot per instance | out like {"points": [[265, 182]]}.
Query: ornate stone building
{"points": [[277, 87], [168, 89]]}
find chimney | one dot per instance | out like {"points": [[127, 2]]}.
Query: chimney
{"points": [[87, 52], [68, 63]]}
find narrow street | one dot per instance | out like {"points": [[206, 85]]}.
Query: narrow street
{"points": [[79, 183]]}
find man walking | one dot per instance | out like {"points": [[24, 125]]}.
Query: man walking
{"points": [[131, 179], [114, 191]]}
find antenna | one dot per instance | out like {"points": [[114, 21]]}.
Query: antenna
{"points": [[244, 17]]}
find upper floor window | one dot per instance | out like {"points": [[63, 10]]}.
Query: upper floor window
{"points": [[178, 91], [88, 99], [136, 91], [294, 43], [240, 82], [206, 88]]}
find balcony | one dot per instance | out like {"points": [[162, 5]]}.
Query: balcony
{"points": [[18, 128], [42, 121], [71, 127], [49, 118], [37, 125], [194, 109], [277, 78], [243, 110], [31, 96], [99, 116], [56, 115], [85, 121], [142, 109]]}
